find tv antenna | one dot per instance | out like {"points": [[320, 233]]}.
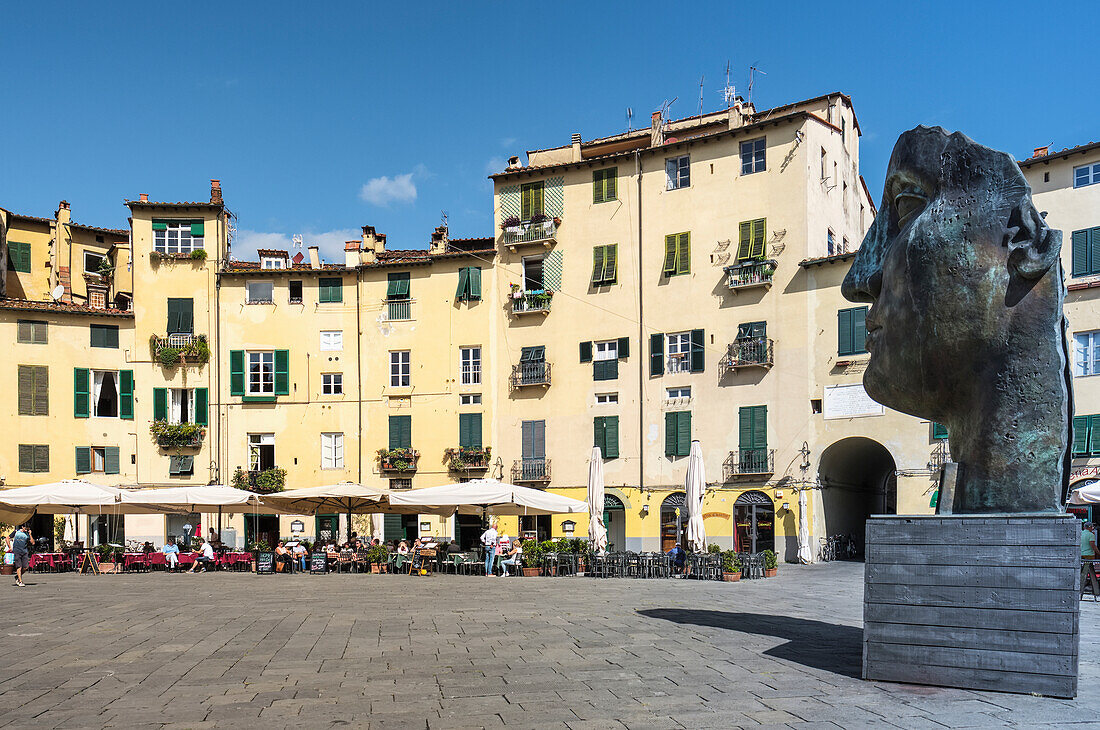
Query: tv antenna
{"points": [[701, 78], [729, 93], [443, 217], [297, 241], [629, 119], [666, 107], [753, 70]]}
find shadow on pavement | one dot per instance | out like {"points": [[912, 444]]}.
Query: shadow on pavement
{"points": [[832, 647]]}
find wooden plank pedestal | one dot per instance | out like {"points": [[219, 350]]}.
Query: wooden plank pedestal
{"points": [[974, 601]]}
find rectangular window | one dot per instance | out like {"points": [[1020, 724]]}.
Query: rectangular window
{"points": [[332, 451], [172, 237], [751, 237], [261, 373], [400, 368], [92, 262], [603, 185], [332, 383], [677, 254], [830, 243], [533, 446], [34, 458], [677, 433], [531, 200], [400, 432], [677, 172], [272, 262], [105, 393], [181, 405], [260, 292], [406, 483], [852, 331], [330, 290], [753, 427], [605, 264], [682, 393], [470, 399], [261, 451], [181, 316], [1086, 435], [606, 399], [606, 435], [19, 257], [752, 156], [1086, 359], [1086, 175], [181, 466], [605, 361], [469, 430], [32, 332], [295, 287], [470, 366], [469, 284], [105, 335], [1086, 251], [332, 340], [678, 347], [34, 390]]}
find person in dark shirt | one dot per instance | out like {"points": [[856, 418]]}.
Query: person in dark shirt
{"points": [[20, 543], [679, 558]]}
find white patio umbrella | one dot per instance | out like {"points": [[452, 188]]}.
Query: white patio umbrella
{"points": [[805, 554], [347, 497], [203, 498], [597, 530], [1085, 494], [377, 526], [695, 486], [488, 496]]}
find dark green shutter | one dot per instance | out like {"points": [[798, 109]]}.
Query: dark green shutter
{"points": [[611, 437], [698, 354], [586, 351], [844, 332], [41, 390], [469, 430], [173, 316], [475, 282], [759, 235], [97, 336], [400, 432], [126, 394], [670, 255], [939, 431], [1080, 435], [19, 256], [81, 399], [683, 434], [623, 348], [598, 431], [25, 386], [605, 370], [671, 419], [597, 186], [859, 330], [657, 354], [598, 254], [160, 404], [110, 460], [611, 184], [83, 459], [173, 466], [330, 291], [202, 406], [463, 291], [181, 316], [282, 372], [744, 427], [683, 253], [26, 458], [753, 427], [1080, 253], [236, 372], [397, 286], [611, 264], [42, 458], [744, 243], [1094, 435], [1094, 250]]}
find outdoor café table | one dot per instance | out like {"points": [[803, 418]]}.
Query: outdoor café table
{"points": [[236, 560], [1088, 573], [53, 561], [130, 560]]}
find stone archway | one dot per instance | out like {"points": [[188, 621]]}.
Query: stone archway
{"points": [[858, 479], [614, 519], [673, 529], [754, 522]]}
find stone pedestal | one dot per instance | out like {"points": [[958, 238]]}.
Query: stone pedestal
{"points": [[980, 602]]}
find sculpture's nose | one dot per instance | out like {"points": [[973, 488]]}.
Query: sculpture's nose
{"points": [[864, 280]]}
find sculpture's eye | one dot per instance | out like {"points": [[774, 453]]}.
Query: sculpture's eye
{"points": [[908, 205]]}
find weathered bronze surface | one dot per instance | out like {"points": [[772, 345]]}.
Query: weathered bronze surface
{"points": [[966, 325]]}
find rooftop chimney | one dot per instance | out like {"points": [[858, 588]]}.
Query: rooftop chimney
{"points": [[145, 197], [63, 215], [513, 162], [576, 147], [351, 254], [314, 257], [439, 240], [1041, 151], [656, 131], [216, 192]]}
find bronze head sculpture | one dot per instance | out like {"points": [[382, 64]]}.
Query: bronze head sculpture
{"points": [[966, 325]]}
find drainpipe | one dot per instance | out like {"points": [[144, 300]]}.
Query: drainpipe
{"points": [[641, 331], [358, 382], [217, 352]]}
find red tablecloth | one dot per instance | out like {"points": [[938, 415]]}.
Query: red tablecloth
{"points": [[54, 560], [233, 558]]}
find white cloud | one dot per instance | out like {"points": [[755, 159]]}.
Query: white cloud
{"points": [[495, 164], [384, 190], [331, 243]]}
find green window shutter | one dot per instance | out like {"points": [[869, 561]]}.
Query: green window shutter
{"points": [[611, 437], [598, 433], [1080, 435], [598, 256], [744, 427], [1094, 251], [859, 330], [26, 457], [463, 291], [939, 431], [605, 370], [160, 404], [683, 434], [586, 351], [611, 264], [173, 466], [19, 256], [760, 427], [657, 354], [197, 229], [202, 406], [110, 460], [236, 372], [126, 394], [159, 225], [173, 316], [475, 282], [844, 332], [26, 390], [670, 255], [397, 286], [81, 399], [469, 430], [400, 432], [104, 335], [41, 396], [282, 372], [181, 316], [759, 236], [330, 291], [744, 244], [1094, 435], [42, 458], [597, 186], [623, 348], [611, 191], [83, 459], [683, 254], [671, 421], [698, 354], [532, 198], [97, 336]]}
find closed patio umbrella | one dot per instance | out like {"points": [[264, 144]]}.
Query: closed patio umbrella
{"points": [[597, 530], [805, 554], [1085, 494], [488, 496], [695, 486]]}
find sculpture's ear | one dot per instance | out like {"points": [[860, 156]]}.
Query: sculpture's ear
{"points": [[1033, 246]]}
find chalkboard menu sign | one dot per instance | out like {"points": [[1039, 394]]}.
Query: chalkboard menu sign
{"points": [[318, 563], [265, 562]]}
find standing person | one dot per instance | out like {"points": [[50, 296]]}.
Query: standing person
{"points": [[171, 554], [1088, 541], [489, 541], [21, 541]]}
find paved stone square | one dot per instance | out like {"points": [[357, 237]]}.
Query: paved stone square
{"points": [[237, 650]]}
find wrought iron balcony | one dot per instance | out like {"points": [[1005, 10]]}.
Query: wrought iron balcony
{"points": [[399, 460], [531, 470], [533, 300], [468, 459], [180, 349], [525, 234], [748, 463], [755, 352], [750, 274], [530, 373], [398, 309]]}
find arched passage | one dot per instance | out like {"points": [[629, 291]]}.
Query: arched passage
{"points": [[754, 519], [673, 528], [614, 519], [858, 479]]}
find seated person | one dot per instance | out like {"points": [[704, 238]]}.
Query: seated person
{"points": [[204, 557], [301, 556], [402, 548], [171, 554], [512, 557], [679, 558], [283, 557]]}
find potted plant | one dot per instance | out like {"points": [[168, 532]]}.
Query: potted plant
{"points": [[771, 564], [731, 566], [510, 225], [517, 291], [402, 459], [379, 557], [199, 254], [532, 558]]}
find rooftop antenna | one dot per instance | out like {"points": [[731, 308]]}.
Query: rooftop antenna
{"points": [[629, 119], [666, 108], [729, 93], [701, 78], [753, 70], [443, 217], [297, 241]]}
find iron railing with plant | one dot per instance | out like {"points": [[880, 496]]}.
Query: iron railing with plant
{"points": [[748, 274], [748, 462], [401, 460], [467, 459], [539, 229], [177, 435], [180, 349], [749, 352], [531, 300], [530, 373], [398, 309], [266, 481], [531, 470], [198, 254]]}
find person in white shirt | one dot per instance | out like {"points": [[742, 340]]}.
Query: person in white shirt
{"points": [[489, 541], [205, 558], [301, 555], [512, 559]]}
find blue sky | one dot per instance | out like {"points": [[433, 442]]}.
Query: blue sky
{"points": [[322, 117]]}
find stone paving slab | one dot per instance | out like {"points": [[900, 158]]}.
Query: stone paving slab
{"points": [[377, 651]]}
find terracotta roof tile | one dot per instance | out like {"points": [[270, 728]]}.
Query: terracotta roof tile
{"points": [[1065, 152], [835, 258], [32, 218], [277, 253], [163, 204], [113, 231], [61, 308]]}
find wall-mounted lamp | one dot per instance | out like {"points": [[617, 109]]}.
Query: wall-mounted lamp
{"points": [[787, 506], [779, 494], [645, 509]]}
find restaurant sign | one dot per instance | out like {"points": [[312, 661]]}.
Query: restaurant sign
{"points": [[1084, 472], [715, 515]]}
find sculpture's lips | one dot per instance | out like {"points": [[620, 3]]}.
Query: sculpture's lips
{"points": [[872, 335]]}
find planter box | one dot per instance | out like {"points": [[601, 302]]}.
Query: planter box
{"points": [[107, 567], [530, 572], [731, 577], [7, 569], [770, 572]]}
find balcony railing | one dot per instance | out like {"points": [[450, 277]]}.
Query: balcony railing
{"points": [[749, 353], [177, 435], [180, 348], [544, 232], [530, 373], [750, 274], [749, 463], [468, 459], [534, 300], [678, 362], [399, 460], [265, 481], [531, 470], [398, 309]]}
